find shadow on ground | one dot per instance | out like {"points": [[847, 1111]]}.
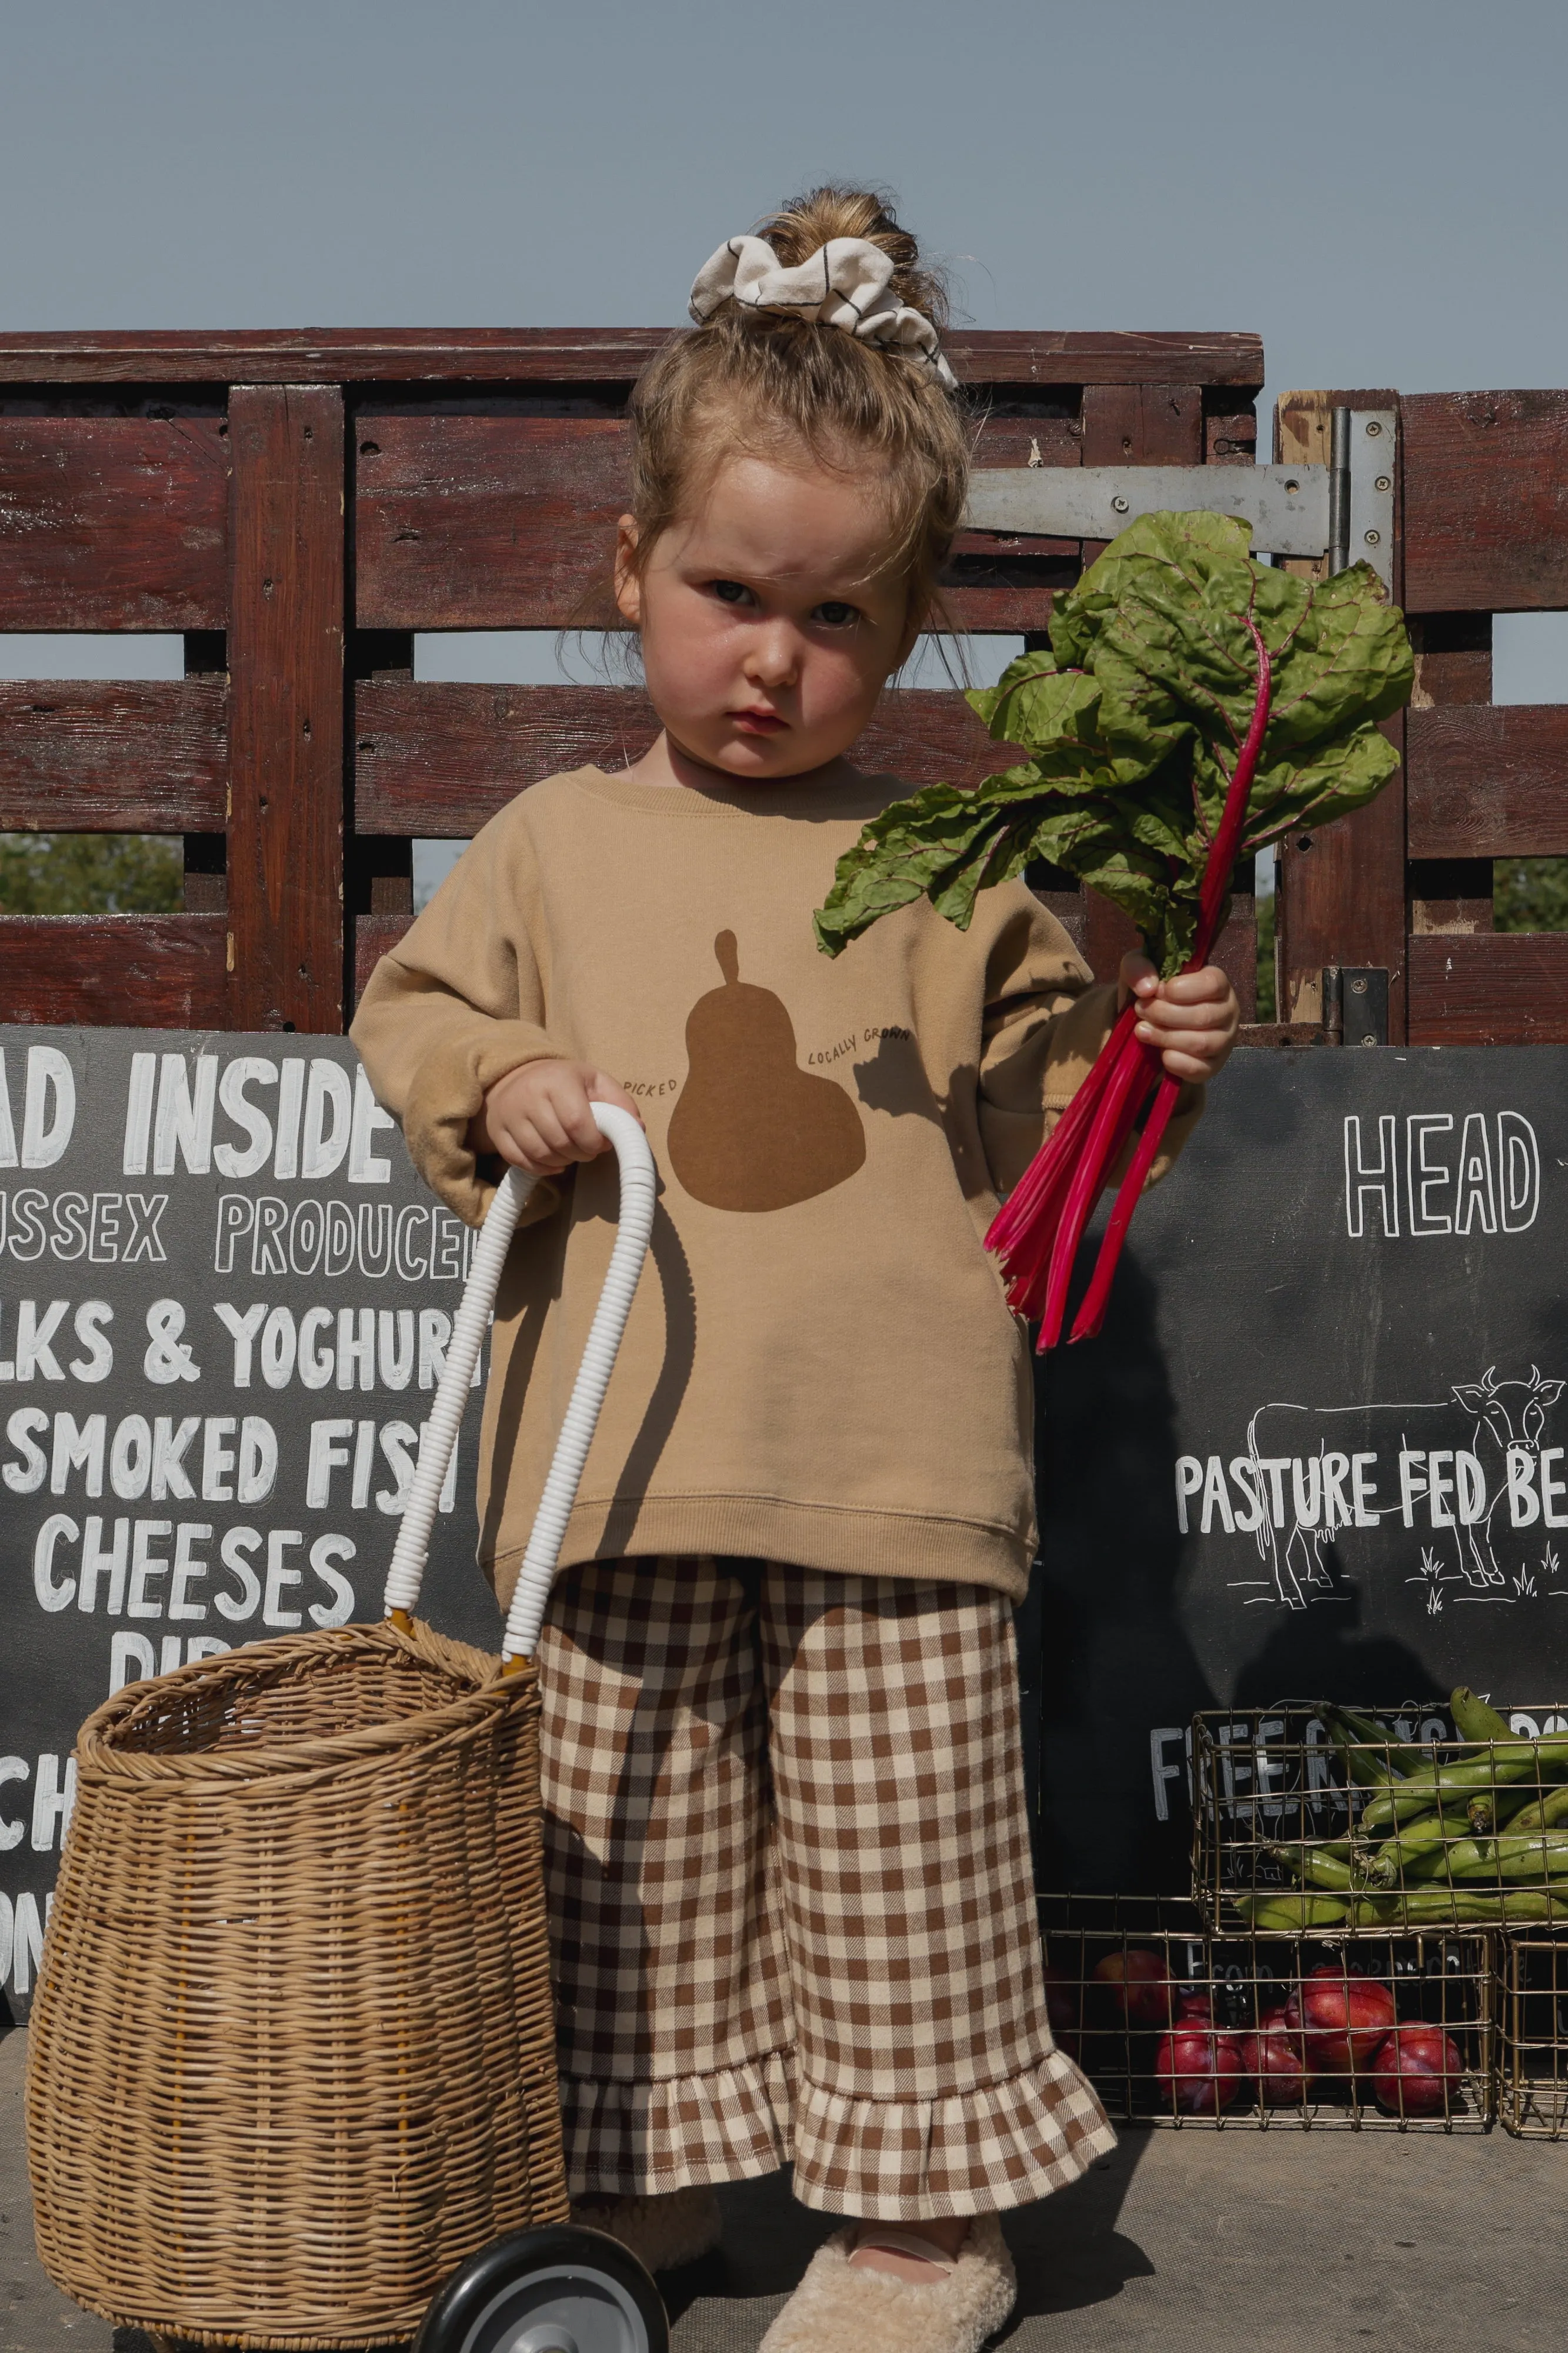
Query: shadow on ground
{"points": [[1069, 2250]]}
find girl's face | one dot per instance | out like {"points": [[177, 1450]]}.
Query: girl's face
{"points": [[769, 618]]}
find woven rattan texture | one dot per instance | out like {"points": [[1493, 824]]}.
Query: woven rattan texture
{"points": [[293, 2051]]}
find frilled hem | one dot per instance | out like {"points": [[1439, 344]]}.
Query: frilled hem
{"points": [[977, 2152], [643, 2138]]}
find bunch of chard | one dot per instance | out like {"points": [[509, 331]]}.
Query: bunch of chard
{"points": [[1194, 707]]}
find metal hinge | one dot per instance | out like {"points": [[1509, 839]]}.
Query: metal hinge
{"points": [[1355, 1005], [1343, 511]]}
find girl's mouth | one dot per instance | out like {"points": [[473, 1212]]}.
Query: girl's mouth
{"points": [[759, 723]]}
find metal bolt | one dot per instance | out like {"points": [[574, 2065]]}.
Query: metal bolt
{"points": [[1119, 505], [1358, 988], [1372, 538], [1384, 483], [1369, 1042], [1373, 427]]}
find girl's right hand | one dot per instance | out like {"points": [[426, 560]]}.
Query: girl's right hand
{"points": [[537, 1118]]}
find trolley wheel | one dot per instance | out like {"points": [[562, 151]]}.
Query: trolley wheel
{"points": [[555, 2290]]}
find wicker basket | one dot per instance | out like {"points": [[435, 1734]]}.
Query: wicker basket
{"points": [[293, 2056]]}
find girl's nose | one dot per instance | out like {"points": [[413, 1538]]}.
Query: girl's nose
{"points": [[773, 656]]}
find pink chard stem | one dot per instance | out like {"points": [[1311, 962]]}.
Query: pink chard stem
{"points": [[1016, 1234], [1091, 1314], [1132, 1081]]}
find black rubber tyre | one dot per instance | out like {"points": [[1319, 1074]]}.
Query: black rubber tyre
{"points": [[555, 2290]]}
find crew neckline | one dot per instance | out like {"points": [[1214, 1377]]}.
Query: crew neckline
{"points": [[867, 796]]}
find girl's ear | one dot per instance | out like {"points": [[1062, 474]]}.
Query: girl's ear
{"points": [[628, 586]]}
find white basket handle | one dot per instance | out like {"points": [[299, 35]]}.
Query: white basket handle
{"points": [[638, 1196]]}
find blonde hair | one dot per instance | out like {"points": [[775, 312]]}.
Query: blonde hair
{"points": [[760, 381]]}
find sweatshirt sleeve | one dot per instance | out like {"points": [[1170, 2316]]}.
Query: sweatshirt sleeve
{"points": [[458, 1003], [1045, 1020]]}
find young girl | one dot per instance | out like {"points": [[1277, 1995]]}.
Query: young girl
{"points": [[788, 1857]]}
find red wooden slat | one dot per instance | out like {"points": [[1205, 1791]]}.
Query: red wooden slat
{"points": [[509, 522], [373, 935], [1488, 781], [570, 354], [113, 522], [116, 972], [1013, 441], [1341, 886], [86, 755], [285, 669], [1236, 952], [1453, 658], [439, 759], [485, 523], [1486, 501], [1488, 989]]}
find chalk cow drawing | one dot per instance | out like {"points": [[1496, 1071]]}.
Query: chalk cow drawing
{"points": [[1464, 1468]]}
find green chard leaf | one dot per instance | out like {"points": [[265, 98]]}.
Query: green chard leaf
{"points": [[1131, 726], [1010, 701], [910, 850]]}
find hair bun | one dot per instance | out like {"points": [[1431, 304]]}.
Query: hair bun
{"points": [[799, 228]]}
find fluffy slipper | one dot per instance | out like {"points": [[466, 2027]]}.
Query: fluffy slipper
{"points": [[662, 2232], [841, 2307]]}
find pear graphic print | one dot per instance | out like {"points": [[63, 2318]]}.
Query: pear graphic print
{"points": [[751, 1129]]}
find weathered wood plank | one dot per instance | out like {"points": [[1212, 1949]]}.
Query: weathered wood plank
{"points": [[1489, 780], [1341, 891], [114, 972], [486, 522], [1453, 658], [1445, 890], [113, 522], [439, 759], [1341, 896], [1230, 435], [1236, 952], [373, 935], [1488, 989], [573, 354], [1486, 501], [89, 755], [509, 522], [286, 671]]}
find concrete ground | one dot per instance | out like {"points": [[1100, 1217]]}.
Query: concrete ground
{"points": [[1189, 2242]]}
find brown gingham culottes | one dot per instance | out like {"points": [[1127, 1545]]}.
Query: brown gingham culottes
{"points": [[790, 1890]]}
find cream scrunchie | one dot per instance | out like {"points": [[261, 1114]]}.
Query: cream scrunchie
{"points": [[843, 284]]}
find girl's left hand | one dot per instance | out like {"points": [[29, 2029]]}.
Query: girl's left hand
{"points": [[1191, 1019]]}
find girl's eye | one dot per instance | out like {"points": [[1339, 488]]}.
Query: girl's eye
{"points": [[729, 592], [837, 615]]}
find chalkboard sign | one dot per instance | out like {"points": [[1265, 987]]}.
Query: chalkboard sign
{"points": [[1321, 1446], [224, 1302]]}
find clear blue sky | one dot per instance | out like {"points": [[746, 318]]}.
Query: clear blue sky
{"points": [[1376, 186]]}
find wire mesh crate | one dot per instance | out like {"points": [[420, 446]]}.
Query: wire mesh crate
{"points": [[1176, 2026], [1311, 1818], [1532, 2036]]}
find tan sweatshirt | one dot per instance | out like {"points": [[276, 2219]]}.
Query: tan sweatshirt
{"points": [[820, 1365]]}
